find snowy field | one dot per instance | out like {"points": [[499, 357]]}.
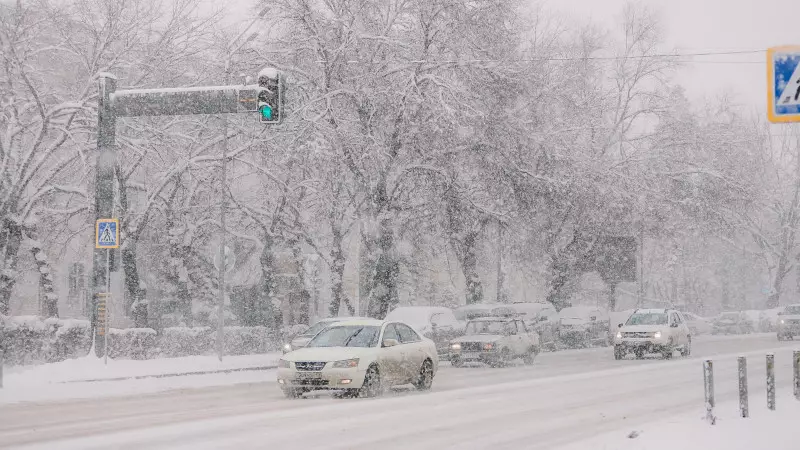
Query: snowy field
{"points": [[573, 400]]}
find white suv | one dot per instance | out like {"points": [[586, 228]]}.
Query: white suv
{"points": [[653, 331]]}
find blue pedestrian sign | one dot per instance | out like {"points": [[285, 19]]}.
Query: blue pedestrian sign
{"points": [[107, 233], [783, 84]]}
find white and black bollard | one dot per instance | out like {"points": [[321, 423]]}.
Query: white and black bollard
{"points": [[744, 410], [771, 382], [708, 384], [796, 377]]}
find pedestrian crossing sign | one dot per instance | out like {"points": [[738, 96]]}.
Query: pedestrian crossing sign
{"points": [[107, 233], [783, 84]]}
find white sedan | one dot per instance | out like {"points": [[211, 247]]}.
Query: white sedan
{"points": [[361, 357]]}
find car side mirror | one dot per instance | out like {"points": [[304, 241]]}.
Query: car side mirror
{"points": [[780, 313], [543, 319], [619, 325], [593, 318], [390, 342], [674, 325]]}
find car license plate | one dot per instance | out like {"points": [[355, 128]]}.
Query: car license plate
{"points": [[470, 355], [309, 376]]}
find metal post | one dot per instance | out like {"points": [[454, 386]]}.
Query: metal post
{"points": [[106, 162], [500, 278], [771, 382], [796, 377], [2, 361], [708, 384], [744, 410], [108, 307]]}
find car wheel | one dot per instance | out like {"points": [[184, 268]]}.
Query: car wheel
{"points": [[618, 352], [503, 359], [529, 357], [425, 377], [687, 349], [292, 393], [372, 383], [668, 350]]}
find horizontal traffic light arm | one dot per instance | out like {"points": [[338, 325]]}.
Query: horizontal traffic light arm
{"points": [[185, 101]]}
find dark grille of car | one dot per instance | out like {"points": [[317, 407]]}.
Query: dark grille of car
{"points": [[472, 346], [637, 334], [793, 321], [311, 382], [309, 366]]}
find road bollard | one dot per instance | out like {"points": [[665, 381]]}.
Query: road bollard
{"points": [[708, 384], [771, 382], [744, 410], [796, 378]]}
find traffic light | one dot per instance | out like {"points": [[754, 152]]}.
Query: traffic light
{"points": [[270, 96]]}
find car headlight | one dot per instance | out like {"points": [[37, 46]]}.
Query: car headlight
{"points": [[455, 346], [783, 321], [284, 364], [346, 364], [488, 346], [287, 348], [619, 334], [657, 335]]}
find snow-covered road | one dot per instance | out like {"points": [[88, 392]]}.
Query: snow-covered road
{"points": [[563, 398]]}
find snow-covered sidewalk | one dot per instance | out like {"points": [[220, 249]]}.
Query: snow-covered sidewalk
{"points": [[775, 430], [91, 377]]}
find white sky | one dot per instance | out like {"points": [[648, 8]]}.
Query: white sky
{"points": [[691, 26], [712, 25]]}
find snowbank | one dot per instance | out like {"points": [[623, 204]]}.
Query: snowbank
{"points": [[66, 379], [775, 430]]}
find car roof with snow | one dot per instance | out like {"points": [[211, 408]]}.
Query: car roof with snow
{"points": [[653, 311], [493, 319], [343, 319], [360, 322]]}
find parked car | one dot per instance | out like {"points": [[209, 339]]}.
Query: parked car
{"points": [[542, 318], [697, 325], [789, 322], [582, 326], [733, 322], [495, 341], [302, 339], [659, 331], [361, 358], [434, 322]]}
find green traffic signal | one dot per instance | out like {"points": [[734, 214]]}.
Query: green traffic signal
{"points": [[266, 112]]}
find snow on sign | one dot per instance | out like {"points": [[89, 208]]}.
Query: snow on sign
{"points": [[783, 78], [107, 233]]}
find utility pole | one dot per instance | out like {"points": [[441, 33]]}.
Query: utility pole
{"points": [[106, 162], [500, 277]]}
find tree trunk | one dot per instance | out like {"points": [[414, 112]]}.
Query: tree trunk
{"points": [[135, 295], [13, 240], [337, 271], [469, 264], [265, 310], [385, 293], [304, 297], [49, 305]]}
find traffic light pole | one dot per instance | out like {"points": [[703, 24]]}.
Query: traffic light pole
{"points": [[159, 102], [104, 197]]}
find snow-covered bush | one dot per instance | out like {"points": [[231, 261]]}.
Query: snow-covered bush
{"points": [[131, 343], [30, 340], [184, 341]]}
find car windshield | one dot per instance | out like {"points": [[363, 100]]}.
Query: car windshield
{"points": [[347, 336], [647, 319], [488, 327], [792, 310], [316, 328]]}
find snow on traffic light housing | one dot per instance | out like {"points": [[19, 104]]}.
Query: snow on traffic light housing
{"points": [[270, 96]]}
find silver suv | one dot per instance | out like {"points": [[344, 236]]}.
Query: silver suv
{"points": [[660, 331]]}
